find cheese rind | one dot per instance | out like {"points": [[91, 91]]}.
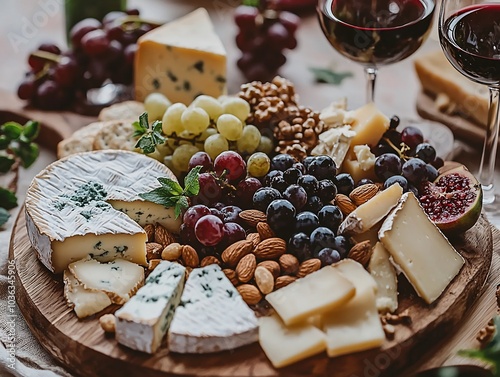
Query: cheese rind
{"points": [[143, 321], [212, 316], [384, 273], [181, 59], [429, 261], [316, 293], [285, 345]]}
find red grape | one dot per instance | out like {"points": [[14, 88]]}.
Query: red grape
{"points": [[278, 35], [113, 16], [290, 20], [114, 31], [113, 53], [412, 136], [209, 230], [233, 232], [95, 42], [50, 96], [50, 47], [244, 41], [82, 28], [201, 159], [133, 12], [246, 189], [66, 72], [26, 89], [129, 54], [246, 61], [231, 163], [245, 17], [194, 213], [210, 191]]}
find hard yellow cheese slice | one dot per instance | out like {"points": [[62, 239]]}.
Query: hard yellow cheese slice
{"points": [[384, 273]]}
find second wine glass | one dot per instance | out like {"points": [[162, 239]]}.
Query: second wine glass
{"points": [[375, 32]]}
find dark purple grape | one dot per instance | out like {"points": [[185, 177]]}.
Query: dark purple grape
{"points": [[402, 181], [291, 43], [327, 190], [218, 205], [425, 152], [246, 61], [81, 29], [282, 162], [245, 17], [299, 245], [382, 148], [279, 184], [114, 31], [306, 222], [50, 96], [269, 176], [133, 12], [258, 72], [66, 72], [364, 181], [343, 246], [307, 161], [244, 41], [113, 53], [278, 35], [188, 237], [393, 136], [291, 175], [322, 237], [300, 166], [264, 196], [95, 42], [296, 195], [217, 212], [231, 214], [432, 172], [27, 89], [233, 232], [113, 16], [310, 184], [201, 159], [141, 30], [414, 170], [322, 167], [128, 38], [280, 215], [344, 183], [289, 20], [330, 216], [246, 189], [387, 165], [394, 123], [412, 136], [50, 47], [314, 204], [438, 163], [274, 60], [328, 256], [413, 189]]}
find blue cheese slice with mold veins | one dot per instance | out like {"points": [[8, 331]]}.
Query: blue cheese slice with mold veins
{"points": [[211, 316], [181, 59], [88, 205], [143, 321]]}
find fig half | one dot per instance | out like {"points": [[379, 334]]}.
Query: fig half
{"points": [[453, 201]]}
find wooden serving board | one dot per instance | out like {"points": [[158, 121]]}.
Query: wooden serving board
{"points": [[82, 346]]}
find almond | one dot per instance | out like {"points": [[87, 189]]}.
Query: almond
{"points": [[190, 256], [208, 260], [264, 280], [283, 281], [231, 275], [309, 266], [246, 268], [163, 236], [272, 248], [249, 293], [361, 252], [265, 231], [233, 253], [254, 238], [153, 250], [152, 263], [345, 204], [272, 266], [150, 232], [172, 252], [363, 193], [252, 217], [289, 264]]}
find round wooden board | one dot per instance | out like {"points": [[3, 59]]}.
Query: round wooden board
{"points": [[84, 348]]}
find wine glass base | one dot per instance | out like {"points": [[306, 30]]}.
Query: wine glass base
{"points": [[488, 194]]}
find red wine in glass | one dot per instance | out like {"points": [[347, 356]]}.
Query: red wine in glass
{"points": [[471, 41], [378, 32]]}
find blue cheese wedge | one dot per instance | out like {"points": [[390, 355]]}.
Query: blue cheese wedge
{"points": [[88, 205], [119, 279], [143, 321], [85, 302], [212, 316]]}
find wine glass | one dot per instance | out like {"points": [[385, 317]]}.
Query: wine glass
{"points": [[375, 32], [470, 38]]}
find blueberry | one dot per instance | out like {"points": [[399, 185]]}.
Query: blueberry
{"points": [[281, 215]]}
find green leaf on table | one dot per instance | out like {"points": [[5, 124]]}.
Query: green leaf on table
{"points": [[191, 182], [8, 199], [328, 76], [4, 216], [6, 163], [4, 142], [12, 130], [28, 153], [30, 131]]}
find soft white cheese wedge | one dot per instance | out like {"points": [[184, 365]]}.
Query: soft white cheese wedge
{"points": [[143, 321], [212, 316]]}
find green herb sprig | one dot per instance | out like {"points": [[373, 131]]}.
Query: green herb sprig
{"points": [[150, 136], [328, 76], [171, 194]]}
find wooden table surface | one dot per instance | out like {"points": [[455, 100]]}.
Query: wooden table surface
{"points": [[24, 24]]}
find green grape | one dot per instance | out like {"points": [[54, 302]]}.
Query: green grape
{"points": [[156, 104], [210, 105], [230, 127], [172, 119], [249, 140], [182, 155], [237, 107], [205, 134], [266, 145], [164, 150], [195, 120], [215, 145], [156, 155], [168, 161], [258, 164]]}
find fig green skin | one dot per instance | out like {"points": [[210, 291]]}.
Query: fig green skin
{"points": [[470, 216]]}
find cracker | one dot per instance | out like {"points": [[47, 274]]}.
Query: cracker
{"points": [[117, 134], [122, 110], [82, 140]]}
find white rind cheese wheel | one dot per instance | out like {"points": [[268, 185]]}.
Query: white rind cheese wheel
{"points": [[88, 205]]}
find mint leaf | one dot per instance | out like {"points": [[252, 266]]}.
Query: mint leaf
{"points": [[328, 76], [12, 130], [146, 144], [8, 199], [171, 185], [149, 138], [143, 120], [6, 163], [181, 205], [138, 129], [4, 216], [28, 153], [30, 131], [191, 182], [160, 195]]}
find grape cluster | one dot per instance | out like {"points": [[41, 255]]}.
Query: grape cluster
{"points": [[101, 51], [296, 199], [262, 38], [404, 158]]}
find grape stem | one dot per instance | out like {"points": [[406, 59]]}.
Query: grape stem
{"points": [[137, 20], [401, 151], [47, 56]]}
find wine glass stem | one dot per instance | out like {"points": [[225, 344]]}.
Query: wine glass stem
{"points": [[487, 168], [371, 76]]}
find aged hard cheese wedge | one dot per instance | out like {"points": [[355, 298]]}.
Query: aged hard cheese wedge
{"points": [[428, 260], [143, 321], [119, 279], [356, 325], [316, 293], [360, 163], [85, 302], [285, 345], [211, 316], [182, 59], [70, 214], [370, 213], [384, 273], [369, 124]]}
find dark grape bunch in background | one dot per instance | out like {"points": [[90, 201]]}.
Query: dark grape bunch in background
{"points": [[264, 34], [100, 52]]}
